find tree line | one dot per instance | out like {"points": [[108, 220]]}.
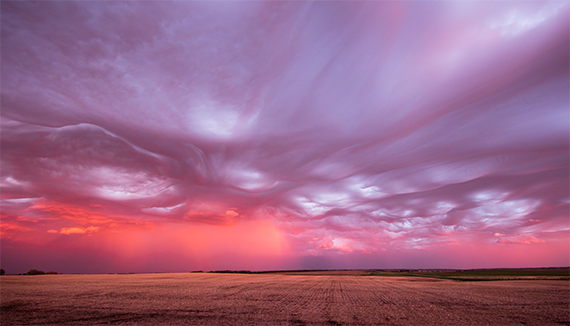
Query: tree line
{"points": [[31, 272]]}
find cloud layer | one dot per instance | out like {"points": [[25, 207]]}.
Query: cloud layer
{"points": [[342, 134]]}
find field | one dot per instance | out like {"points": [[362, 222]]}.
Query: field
{"points": [[310, 298]]}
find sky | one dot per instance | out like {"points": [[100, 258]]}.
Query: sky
{"points": [[257, 135]]}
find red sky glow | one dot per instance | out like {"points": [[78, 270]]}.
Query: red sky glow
{"points": [[265, 135]]}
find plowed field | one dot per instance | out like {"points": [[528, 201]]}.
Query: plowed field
{"points": [[275, 299]]}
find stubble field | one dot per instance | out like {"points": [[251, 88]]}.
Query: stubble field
{"points": [[279, 299]]}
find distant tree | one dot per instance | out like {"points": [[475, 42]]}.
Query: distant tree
{"points": [[52, 272], [2, 271], [35, 272]]}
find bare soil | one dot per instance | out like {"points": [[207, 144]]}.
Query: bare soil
{"points": [[278, 299]]}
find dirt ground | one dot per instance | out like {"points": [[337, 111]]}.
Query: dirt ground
{"points": [[277, 299]]}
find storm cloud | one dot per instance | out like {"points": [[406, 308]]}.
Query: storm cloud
{"points": [[357, 134]]}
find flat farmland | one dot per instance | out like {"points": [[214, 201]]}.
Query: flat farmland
{"points": [[279, 299]]}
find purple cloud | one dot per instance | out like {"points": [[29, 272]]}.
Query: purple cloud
{"points": [[355, 127]]}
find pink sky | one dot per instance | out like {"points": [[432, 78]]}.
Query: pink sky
{"points": [[178, 136]]}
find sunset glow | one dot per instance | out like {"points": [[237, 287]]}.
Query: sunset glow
{"points": [[252, 135]]}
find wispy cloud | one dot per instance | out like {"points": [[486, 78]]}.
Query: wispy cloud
{"points": [[77, 230], [354, 128]]}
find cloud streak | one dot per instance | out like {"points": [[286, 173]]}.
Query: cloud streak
{"points": [[359, 132]]}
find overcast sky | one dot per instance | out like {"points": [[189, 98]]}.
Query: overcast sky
{"points": [[176, 136]]}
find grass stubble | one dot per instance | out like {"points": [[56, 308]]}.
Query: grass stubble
{"points": [[279, 299]]}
